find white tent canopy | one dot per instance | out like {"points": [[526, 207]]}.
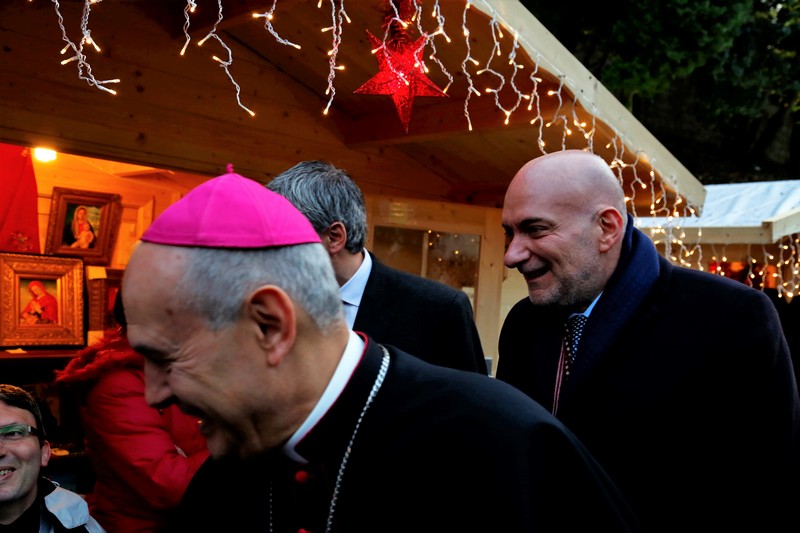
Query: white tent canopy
{"points": [[757, 221], [740, 213]]}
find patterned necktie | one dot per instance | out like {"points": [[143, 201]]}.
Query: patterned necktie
{"points": [[574, 329]]}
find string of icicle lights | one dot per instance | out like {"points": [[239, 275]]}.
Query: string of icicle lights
{"points": [[764, 266], [481, 74], [484, 79]]}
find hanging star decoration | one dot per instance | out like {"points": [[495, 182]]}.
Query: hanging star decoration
{"points": [[401, 73]]}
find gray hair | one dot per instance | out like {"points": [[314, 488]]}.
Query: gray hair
{"points": [[216, 282], [325, 194]]}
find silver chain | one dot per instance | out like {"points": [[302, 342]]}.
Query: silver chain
{"points": [[340, 475]]}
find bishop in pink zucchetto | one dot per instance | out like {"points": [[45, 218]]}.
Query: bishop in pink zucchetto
{"points": [[231, 211]]}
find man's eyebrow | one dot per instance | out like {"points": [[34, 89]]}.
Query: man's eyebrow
{"points": [[147, 351], [533, 220]]}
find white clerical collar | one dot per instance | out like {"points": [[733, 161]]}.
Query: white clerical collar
{"points": [[347, 365]]}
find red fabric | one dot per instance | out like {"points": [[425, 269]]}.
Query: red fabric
{"points": [[143, 458], [19, 211]]}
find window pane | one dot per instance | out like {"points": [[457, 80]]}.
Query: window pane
{"points": [[450, 258]]}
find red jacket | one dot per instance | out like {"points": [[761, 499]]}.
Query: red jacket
{"points": [[143, 458]]}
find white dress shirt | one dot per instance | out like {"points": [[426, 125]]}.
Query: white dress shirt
{"points": [[352, 291]]}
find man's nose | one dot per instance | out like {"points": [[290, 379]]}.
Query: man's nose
{"points": [[516, 254], [157, 392]]}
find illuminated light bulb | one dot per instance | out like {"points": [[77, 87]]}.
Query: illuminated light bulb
{"points": [[329, 28], [64, 50], [466, 32], [339, 67], [724, 258], [88, 40], [73, 58], [551, 92], [44, 155]]}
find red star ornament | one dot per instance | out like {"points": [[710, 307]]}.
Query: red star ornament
{"points": [[403, 59]]}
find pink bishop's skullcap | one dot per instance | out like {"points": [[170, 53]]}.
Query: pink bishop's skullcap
{"points": [[231, 211]]}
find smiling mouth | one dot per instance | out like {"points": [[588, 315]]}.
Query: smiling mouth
{"points": [[5, 471], [536, 273]]}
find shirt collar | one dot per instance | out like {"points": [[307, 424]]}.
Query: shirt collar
{"points": [[589, 309], [347, 365], [352, 291]]}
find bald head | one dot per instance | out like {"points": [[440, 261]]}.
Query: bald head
{"points": [[564, 217], [573, 176]]}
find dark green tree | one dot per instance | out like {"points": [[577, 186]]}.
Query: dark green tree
{"points": [[717, 81]]}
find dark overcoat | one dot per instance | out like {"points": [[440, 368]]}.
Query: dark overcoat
{"points": [[682, 388], [437, 450], [425, 318]]}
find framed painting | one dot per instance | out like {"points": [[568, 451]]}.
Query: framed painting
{"points": [[83, 224], [102, 294], [41, 301]]}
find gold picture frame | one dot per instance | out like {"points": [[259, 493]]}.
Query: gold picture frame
{"points": [[83, 224], [41, 301]]}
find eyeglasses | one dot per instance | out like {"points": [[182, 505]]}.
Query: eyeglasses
{"points": [[15, 432]]}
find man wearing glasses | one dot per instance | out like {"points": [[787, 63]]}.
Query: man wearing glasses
{"points": [[28, 501]]}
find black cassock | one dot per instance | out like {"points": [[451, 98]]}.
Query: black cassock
{"points": [[437, 450]]}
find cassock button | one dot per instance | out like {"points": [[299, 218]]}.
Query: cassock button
{"points": [[301, 476]]}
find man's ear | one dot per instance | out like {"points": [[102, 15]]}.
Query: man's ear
{"points": [[335, 237], [611, 226], [45, 453], [274, 313]]}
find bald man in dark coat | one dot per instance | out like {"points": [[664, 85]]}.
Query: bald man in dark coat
{"points": [[682, 385]]}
